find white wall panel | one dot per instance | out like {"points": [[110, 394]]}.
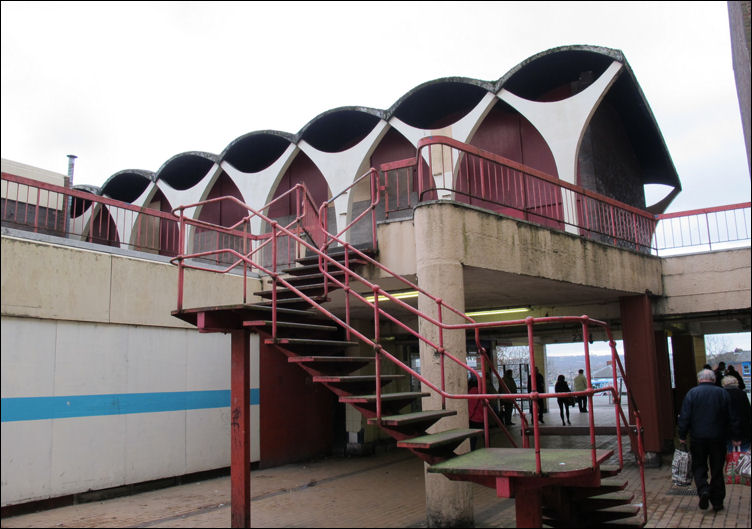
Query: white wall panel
{"points": [[87, 453], [91, 359], [26, 461], [156, 360], [155, 445], [207, 434], [28, 352]]}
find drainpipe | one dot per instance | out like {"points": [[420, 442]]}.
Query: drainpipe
{"points": [[69, 185]]}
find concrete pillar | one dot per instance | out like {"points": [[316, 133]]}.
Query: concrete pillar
{"points": [[701, 356], [665, 392], [685, 366], [643, 373], [439, 247], [539, 352]]}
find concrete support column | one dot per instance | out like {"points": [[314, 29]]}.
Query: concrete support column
{"points": [[701, 355], [439, 268], [685, 366], [643, 373], [665, 393], [539, 352]]}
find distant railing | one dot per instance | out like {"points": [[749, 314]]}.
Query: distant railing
{"points": [[40, 207], [704, 229], [49, 209]]}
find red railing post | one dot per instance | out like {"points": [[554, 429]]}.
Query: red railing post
{"points": [[591, 417], [441, 353], [534, 394], [181, 252], [274, 279]]}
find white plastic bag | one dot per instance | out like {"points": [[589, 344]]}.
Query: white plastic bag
{"points": [[681, 468]]}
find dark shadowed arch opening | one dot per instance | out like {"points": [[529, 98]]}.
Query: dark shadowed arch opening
{"points": [[256, 151], [438, 104], [184, 171], [338, 130]]}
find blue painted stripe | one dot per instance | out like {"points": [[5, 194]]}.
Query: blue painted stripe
{"points": [[38, 408]]}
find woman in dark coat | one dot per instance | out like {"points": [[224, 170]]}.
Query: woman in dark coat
{"points": [[564, 402], [740, 403]]}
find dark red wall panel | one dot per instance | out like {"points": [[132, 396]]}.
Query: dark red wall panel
{"points": [[296, 415]]}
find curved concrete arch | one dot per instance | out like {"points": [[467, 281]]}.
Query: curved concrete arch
{"points": [[341, 168], [439, 103], [183, 171], [255, 151], [562, 123], [129, 185], [257, 188], [339, 129]]}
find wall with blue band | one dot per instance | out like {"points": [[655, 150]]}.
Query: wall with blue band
{"points": [[40, 408]]}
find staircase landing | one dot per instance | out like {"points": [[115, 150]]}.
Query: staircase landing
{"points": [[520, 463]]}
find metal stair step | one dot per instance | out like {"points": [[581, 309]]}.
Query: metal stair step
{"points": [[613, 514], [427, 416], [611, 484], [338, 254], [354, 379], [609, 471], [286, 293], [386, 397], [291, 325], [292, 303], [308, 342], [603, 501], [426, 442], [317, 277], [331, 365]]}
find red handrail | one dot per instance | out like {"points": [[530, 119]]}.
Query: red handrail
{"points": [[379, 312]]}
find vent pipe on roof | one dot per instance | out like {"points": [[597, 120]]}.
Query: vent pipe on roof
{"points": [[71, 163], [69, 185]]}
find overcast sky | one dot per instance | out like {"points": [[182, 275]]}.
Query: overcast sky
{"points": [[129, 85]]}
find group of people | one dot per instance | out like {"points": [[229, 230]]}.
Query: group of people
{"points": [[715, 416], [510, 386]]}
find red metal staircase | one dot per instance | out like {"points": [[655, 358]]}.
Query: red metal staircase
{"points": [[556, 487]]}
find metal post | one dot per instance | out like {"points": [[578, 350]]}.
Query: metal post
{"points": [[240, 429]]}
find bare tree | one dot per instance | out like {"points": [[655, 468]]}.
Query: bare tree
{"points": [[512, 354], [715, 345]]}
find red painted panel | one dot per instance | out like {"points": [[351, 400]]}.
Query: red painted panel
{"points": [[296, 415], [393, 147], [223, 213], [505, 132], [302, 170]]}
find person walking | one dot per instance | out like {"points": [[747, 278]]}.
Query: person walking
{"points": [[720, 372], [707, 416], [730, 371], [511, 386], [564, 402], [740, 403], [580, 384]]}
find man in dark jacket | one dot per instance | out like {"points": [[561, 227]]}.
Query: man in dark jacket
{"points": [[707, 415]]}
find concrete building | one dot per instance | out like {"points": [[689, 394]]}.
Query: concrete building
{"points": [[524, 193]]}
